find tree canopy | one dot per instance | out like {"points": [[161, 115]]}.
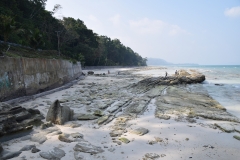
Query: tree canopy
{"points": [[26, 22]]}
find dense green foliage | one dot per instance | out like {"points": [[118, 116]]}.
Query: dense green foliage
{"points": [[26, 22]]}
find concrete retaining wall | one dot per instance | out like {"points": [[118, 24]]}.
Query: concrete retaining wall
{"points": [[28, 76]]}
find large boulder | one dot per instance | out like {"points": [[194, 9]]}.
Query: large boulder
{"points": [[58, 114]]}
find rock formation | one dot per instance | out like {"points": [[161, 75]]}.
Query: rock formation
{"points": [[182, 78], [139, 131], [191, 103], [8, 155], [87, 147], [55, 154], [14, 119], [58, 114], [90, 72], [151, 156]]}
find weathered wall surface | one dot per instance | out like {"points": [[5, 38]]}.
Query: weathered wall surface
{"points": [[27, 76]]}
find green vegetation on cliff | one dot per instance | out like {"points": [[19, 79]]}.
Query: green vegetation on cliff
{"points": [[26, 22]]}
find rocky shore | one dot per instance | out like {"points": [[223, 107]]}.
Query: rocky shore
{"points": [[122, 115]]}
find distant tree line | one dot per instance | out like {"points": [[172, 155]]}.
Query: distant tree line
{"points": [[26, 22]]}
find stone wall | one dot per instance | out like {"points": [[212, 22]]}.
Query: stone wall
{"points": [[28, 76]]}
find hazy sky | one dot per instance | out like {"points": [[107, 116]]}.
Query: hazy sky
{"points": [[187, 31]]}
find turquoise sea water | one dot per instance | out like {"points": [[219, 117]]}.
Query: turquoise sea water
{"points": [[228, 92], [222, 82], [227, 74], [224, 74]]}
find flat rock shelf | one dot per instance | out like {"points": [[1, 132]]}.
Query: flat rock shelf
{"points": [[125, 115]]}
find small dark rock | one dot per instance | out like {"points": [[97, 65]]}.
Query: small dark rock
{"points": [[27, 147], [33, 111], [90, 72], [35, 150], [77, 135]]}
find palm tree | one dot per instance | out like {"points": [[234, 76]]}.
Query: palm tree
{"points": [[35, 38], [7, 27]]}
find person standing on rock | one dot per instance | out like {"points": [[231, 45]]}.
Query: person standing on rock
{"points": [[166, 74], [176, 73]]}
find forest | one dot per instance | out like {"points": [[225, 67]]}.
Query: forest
{"points": [[26, 22]]}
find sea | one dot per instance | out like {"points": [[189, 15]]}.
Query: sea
{"points": [[222, 82]]}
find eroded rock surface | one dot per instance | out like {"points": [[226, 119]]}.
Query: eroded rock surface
{"points": [[236, 137], [123, 101], [183, 78], [87, 147], [65, 138], [39, 137], [58, 114], [17, 118], [35, 150], [228, 127], [53, 154], [8, 155], [124, 140], [87, 117], [27, 147], [183, 101], [78, 155], [151, 156], [139, 131]]}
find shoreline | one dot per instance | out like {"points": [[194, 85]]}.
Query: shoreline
{"points": [[179, 139]]}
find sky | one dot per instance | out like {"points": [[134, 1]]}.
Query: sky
{"points": [[205, 32]]}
